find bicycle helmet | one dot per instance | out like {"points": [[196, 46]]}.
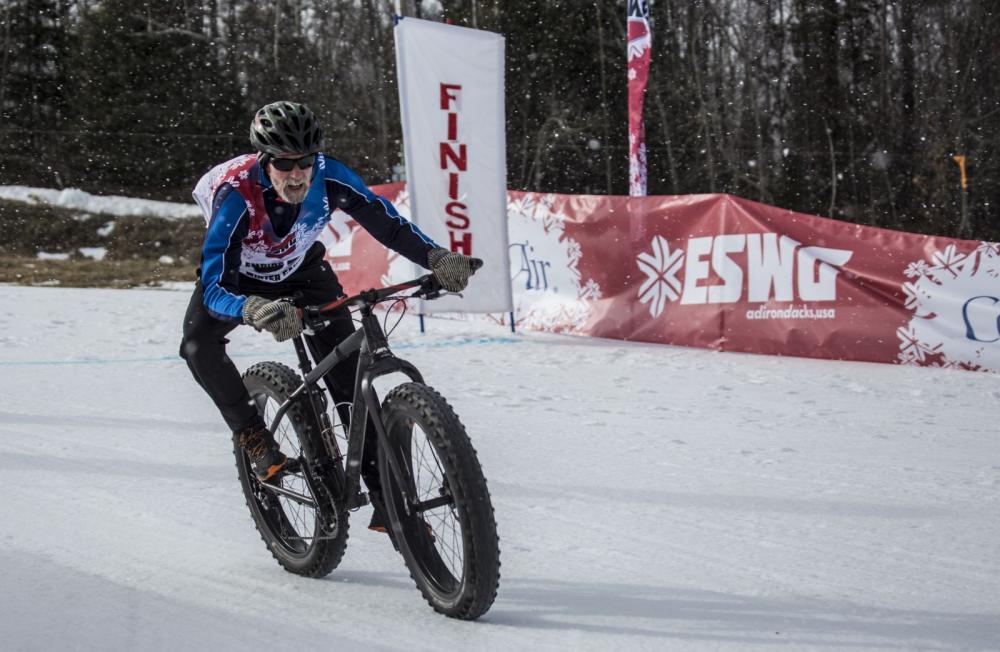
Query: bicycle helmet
{"points": [[286, 128]]}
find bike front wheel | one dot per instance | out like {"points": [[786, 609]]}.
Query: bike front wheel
{"points": [[439, 509]]}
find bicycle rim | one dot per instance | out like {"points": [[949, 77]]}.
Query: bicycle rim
{"points": [[435, 535], [293, 524]]}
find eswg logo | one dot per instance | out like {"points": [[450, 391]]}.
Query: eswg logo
{"points": [[755, 267]]}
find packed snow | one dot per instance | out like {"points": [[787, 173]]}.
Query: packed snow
{"points": [[76, 199], [647, 497], [96, 253]]}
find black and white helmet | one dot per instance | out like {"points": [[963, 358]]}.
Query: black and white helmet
{"points": [[286, 128]]}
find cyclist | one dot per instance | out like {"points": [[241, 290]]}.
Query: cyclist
{"points": [[264, 213]]}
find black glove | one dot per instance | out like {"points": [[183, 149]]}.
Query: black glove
{"points": [[450, 269], [280, 318]]}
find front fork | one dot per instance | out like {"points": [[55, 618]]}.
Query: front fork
{"points": [[381, 365]]}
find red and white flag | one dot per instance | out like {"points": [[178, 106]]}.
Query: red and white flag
{"points": [[639, 42]]}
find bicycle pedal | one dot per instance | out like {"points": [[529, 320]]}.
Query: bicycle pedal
{"points": [[291, 467], [381, 529]]}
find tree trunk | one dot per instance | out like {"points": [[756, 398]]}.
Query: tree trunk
{"points": [[276, 36], [6, 50], [605, 150]]}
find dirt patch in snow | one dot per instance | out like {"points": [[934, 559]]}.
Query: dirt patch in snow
{"points": [[138, 251]]}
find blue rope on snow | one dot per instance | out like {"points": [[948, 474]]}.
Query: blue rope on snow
{"points": [[260, 354]]}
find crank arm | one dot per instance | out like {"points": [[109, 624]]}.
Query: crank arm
{"points": [[433, 503], [291, 495]]}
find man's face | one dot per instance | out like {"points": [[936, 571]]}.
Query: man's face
{"points": [[292, 185]]}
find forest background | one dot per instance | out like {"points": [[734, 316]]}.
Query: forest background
{"points": [[851, 109]]}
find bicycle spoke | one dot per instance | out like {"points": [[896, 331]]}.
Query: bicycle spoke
{"points": [[299, 520], [430, 482], [454, 550]]}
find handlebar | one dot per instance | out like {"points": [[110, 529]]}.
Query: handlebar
{"points": [[429, 288]]}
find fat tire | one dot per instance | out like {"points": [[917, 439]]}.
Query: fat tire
{"points": [[417, 403], [322, 555]]}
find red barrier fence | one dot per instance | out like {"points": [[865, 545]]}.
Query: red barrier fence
{"points": [[725, 273]]}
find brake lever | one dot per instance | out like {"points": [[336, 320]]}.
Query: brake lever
{"points": [[426, 295], [312, 319]]}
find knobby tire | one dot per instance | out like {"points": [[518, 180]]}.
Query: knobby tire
{"points": [[457, 572]]}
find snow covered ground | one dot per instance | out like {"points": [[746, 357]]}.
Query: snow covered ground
{"points": [[76, 199], [647, 497]]}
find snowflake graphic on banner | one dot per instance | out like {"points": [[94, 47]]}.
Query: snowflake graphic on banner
{"points": [[338, 238], [955, 299], [549, 293], [660, 267], [638, 47]]}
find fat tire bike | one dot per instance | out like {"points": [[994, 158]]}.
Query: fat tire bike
{"points": [[440, 516]]}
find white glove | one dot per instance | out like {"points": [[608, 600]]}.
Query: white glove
{"points": [[279, 317], [450, 269]]}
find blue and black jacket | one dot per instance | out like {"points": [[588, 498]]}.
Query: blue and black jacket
{"points": [[253, 232]]}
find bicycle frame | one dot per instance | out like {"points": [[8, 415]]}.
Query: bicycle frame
{"points": [[375, 360]]}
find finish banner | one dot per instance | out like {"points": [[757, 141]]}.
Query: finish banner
{"points": [[451, 91], [725, 273]]}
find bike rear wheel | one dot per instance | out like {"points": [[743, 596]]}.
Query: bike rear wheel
{"points": [[440, 512], [303, 532]]}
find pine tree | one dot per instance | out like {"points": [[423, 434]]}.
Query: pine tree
{"points": [[35, 42], [152, 97]]}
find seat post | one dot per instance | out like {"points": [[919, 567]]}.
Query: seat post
{"points": [[300, 349]]}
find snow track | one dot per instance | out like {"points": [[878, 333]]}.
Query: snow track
{"points": [[647, 497]]}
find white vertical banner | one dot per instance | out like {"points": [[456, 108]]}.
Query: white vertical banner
{"points": [[451, 96]]}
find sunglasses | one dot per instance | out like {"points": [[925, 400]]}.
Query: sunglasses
{"points": [[287, 164]]}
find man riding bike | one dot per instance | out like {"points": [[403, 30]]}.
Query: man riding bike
{"points": [[265, 212]]}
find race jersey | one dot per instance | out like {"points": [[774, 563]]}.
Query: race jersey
{"points": [[252, 232]]}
